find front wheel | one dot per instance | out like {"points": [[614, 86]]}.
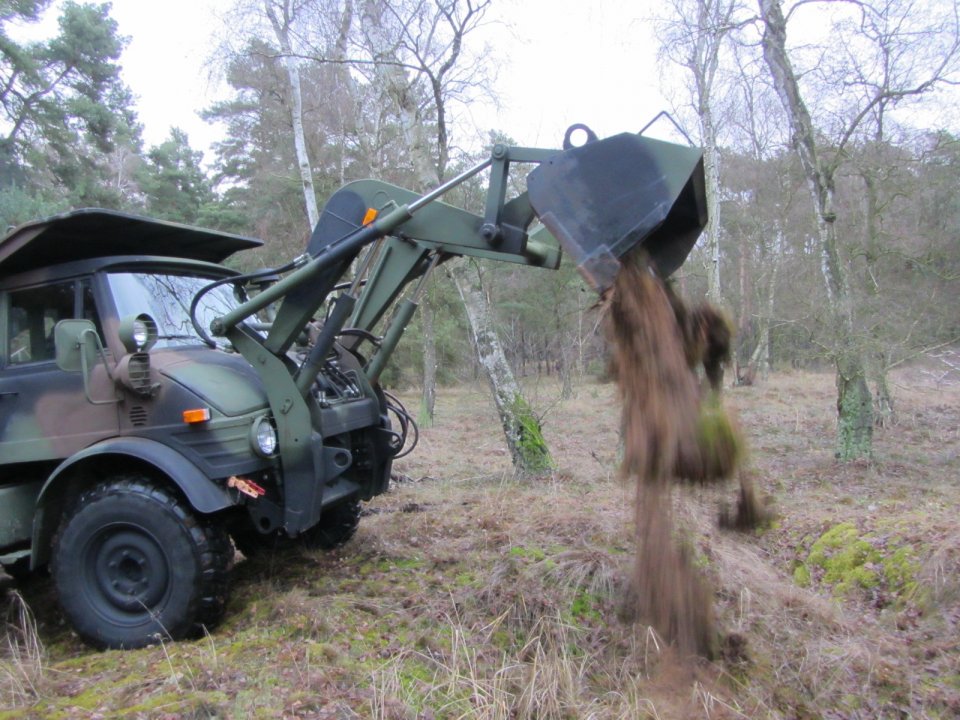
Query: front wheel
{"points": [[132, 564], [19, 569], [337, 525]]}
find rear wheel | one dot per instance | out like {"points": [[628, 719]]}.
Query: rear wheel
{"points": [[132, 564]]}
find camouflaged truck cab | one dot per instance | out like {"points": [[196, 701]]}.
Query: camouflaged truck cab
{"points": [[132, 448]]}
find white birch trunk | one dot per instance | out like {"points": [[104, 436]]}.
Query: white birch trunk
{"points": [[520, 426], [712, 25], [282, 31], [695, 36], [711, 166]]}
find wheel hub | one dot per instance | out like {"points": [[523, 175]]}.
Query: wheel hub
{"points": [[131, 570]]}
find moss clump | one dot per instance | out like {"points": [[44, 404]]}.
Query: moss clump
{"points": [[847, 560], [719, 441], [900, 571], [532, 456]]}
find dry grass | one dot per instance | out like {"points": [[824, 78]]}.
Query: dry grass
{"points": [[472, 594], [22, 667]]}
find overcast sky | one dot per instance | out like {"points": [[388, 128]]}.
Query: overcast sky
{"points": [[562, 61], [565, 61]]}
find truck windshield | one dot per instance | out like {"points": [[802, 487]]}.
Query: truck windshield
{"points": [[167, 298]]}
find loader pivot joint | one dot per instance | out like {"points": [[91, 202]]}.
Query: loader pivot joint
{"points": [[491, 233]]}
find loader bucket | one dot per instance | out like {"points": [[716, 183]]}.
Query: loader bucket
{"points": [[605, 198]]}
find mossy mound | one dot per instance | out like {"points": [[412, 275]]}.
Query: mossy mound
{"points": [[850, 561]]}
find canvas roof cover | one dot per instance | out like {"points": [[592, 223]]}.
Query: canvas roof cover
{"points": [[93, 233]]}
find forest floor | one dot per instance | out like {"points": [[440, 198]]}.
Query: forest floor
{"points": [[468, 593]]}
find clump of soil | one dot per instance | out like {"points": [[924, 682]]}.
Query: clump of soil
{"points": [[673, 430], [750, 513]]}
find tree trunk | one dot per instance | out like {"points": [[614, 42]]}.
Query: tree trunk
{"points": [[429, 395], [854, 410], [760, 359], [711, 167], [563, 349], [521, 427], [873, 242], [884, 411], [282, 31], [746, 304], [854, 403], [759, 363]]}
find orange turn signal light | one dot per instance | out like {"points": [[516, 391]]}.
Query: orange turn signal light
{"points": [[196, 415], [370, 216]]}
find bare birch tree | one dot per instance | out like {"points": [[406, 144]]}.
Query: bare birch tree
{"points": [[521, 427], [435, 47], [693, 35], [868, 85], [282, 14], [453, 20]]}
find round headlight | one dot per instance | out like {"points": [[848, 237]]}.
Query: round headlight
{"points": [[140, 333], [264, 437]]}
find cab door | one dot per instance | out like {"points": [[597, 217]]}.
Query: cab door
{"points": [[44, 412]]}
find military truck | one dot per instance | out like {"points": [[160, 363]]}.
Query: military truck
{"points": [[156, 405]]}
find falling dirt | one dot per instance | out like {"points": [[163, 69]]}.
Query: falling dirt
{"points": [[673, 430]]}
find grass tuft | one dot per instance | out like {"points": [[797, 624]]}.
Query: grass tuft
{"points": [[23, 669]]}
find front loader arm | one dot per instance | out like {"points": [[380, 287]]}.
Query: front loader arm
{"points": [[599, 200], [438, 228], [424, 223]]}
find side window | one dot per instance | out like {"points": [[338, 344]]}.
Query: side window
{"points": [[33, 314]]}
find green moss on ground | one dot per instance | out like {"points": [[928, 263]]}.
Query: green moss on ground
{"points": [[848, 560], [587, 607], [533, 553]]}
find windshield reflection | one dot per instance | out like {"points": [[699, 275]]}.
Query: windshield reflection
{"points": [[167, 298]]}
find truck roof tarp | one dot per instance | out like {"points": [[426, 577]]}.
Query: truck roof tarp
{"points": [[93, 233]]}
